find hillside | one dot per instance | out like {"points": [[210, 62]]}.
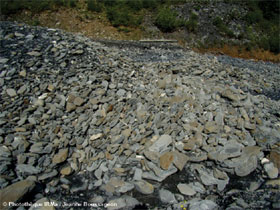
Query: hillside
{"points": [[248, 29], [126, 125]]}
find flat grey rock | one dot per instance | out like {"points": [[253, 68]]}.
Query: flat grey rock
{"points": [[11, 92], [161, 143], [186, 189], [203, 205], [144, 187], [167, 196]]}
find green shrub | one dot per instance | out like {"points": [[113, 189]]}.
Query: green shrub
{"points": [[38, 6], [263, 43], [254, 16], [192, 23], [73, 3], [135, 4], [150, 3], [166, 19], [270, 9], [94, 5], [274, 43], [10, 7], [217, 21], [59, 2]]}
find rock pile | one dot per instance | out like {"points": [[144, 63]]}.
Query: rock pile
{"points": [[87, 125]]}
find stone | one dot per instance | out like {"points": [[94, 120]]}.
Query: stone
{"points": [[196, 186], [167, 196], [207, 177], [22, 73], [130, 202], [4, 60], [28, 169], [162, 143], [203, 205], [126, 187], [211, 127], [271, 171], [274, 183], [34, 53], [246, 165], [78, 101], [47, 175], [121, 92], [137, 174], [66, 170], [229, 94], [180, 160], [15, 192], [96, 136], [159, 174], [39, 148], [166, 160], [39, 102], [230, 150], [11, 92], [274, 156], [248, 161], [144, 187], [61, 156], [118, 203], [186, 189], [153, 156]]}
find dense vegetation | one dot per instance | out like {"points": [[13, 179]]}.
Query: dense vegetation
{"points": [[265, 16], [14, 6], [262, 17]]}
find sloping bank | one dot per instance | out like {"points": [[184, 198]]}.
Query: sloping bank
{"points": [[87, 125]]}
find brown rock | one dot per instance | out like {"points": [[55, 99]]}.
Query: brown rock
{"points": [[180, 160], [230, 95], [66, 170], [71, 98], [22, 73], [50, 88], [15, 192], [61, 156], [274, 156], [166, 160], [20, 129], [190, 145], [70, 107], [108, 156], [211, 127]]}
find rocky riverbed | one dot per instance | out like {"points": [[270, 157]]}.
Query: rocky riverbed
{"points": [[96, 125]]}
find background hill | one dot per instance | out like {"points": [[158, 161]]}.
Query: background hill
{"points": [[248, 29]]}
